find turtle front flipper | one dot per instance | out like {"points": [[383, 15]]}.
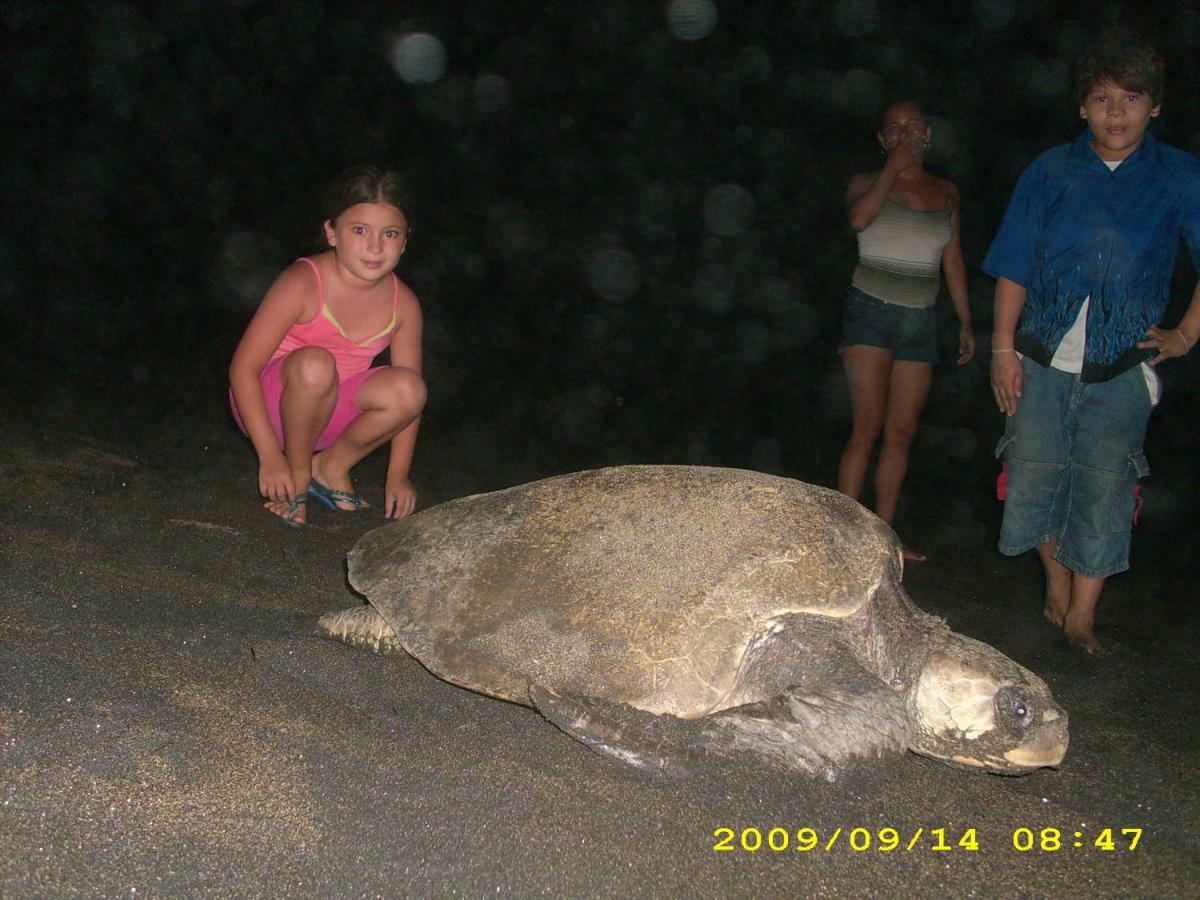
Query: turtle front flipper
{"points": [[816, 731], [361, 626], [657, 745]]}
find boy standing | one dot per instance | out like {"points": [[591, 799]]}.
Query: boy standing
{"points": [[1083, 262]]}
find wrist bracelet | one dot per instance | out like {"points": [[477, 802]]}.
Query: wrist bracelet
{"points": [[1004, 350], [1187, 347]]}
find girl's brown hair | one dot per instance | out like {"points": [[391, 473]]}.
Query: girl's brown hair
{"points": [[364, 184]]}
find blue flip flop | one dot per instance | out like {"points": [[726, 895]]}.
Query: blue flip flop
{"points": [[331, 496], [294, 505]]}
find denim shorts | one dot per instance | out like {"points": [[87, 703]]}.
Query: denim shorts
{"points": [[910, 333], [1074, 453]]}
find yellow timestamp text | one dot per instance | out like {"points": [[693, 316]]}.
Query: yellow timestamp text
{"points": [[886, 840]]}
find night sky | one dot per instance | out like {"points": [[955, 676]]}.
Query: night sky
{"points": [[629, 240]]}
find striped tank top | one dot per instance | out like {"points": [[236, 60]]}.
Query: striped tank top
{"points": [[900, 254]]}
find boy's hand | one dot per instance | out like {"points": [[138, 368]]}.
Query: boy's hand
{"points": [[1168, 342], [1007, 381]]}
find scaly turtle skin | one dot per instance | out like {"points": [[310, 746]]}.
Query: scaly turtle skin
{"points": [[664, 614]]}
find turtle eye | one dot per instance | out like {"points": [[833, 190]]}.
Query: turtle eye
{"points": [[1014, 707]]}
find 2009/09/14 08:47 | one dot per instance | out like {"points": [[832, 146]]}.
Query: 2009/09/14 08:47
{"points": [[885, 840]]}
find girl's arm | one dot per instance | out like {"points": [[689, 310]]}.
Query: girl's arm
{"points": [[955, 271], [283, 306], [1006, 368], [400, 497]]}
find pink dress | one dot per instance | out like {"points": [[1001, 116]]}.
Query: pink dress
{"points": [[353, 362]]}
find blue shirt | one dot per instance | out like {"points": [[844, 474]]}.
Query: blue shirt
{"points": [[1074, 229]]}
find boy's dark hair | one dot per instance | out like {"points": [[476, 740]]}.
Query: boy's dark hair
{"points": [[364, 184], [1121, 57]]}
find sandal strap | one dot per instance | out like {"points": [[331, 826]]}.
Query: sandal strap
{"points": [[333, 495]]}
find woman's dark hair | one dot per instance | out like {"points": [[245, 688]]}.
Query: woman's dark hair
{"points": [[1121, 57], [899, 101], [364, 184]]}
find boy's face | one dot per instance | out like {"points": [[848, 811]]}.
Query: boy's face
{"points": [[1117, 118]]}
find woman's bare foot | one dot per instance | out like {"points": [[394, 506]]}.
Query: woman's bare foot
{"points": [[911, 555], [337, 482], [293, 512]]}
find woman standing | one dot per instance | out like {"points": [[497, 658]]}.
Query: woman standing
{"points": [[908, 236]]}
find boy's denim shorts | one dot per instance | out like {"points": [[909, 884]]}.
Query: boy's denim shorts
{"points": [[910, 333], [1074, 453]]}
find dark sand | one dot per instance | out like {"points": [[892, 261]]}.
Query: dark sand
{"points": [[171, 724]]}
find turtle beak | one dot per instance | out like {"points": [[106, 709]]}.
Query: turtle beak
{"points": [[1047, 747]]}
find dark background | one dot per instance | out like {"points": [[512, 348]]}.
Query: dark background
{"points": [[629, 246]]}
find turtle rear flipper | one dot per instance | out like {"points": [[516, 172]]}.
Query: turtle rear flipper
{"points": [[361, 626]]}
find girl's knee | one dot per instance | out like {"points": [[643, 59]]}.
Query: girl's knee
{"points": [[310, 368], [403, 391], [411, 390]]}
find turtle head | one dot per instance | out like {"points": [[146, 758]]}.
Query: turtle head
{"points": [[973, 706]]}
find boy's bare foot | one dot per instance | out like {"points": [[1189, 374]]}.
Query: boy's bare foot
{"points": [[1055, 613], [1078, 631], [1086, 641], [293, 512]]}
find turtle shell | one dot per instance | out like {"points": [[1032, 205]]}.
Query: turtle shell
{"points": [[638, 584]]}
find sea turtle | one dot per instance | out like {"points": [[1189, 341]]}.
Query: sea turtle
{"points": [[665, 614]]}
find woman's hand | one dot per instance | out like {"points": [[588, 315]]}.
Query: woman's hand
{"points": [[966, 344], [905, 154], [275, 480], [1168, 342], [400, 497], [1007, 380]]}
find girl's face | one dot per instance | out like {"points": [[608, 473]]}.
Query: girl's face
{"points": [[904, 123], [368, 239]]}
